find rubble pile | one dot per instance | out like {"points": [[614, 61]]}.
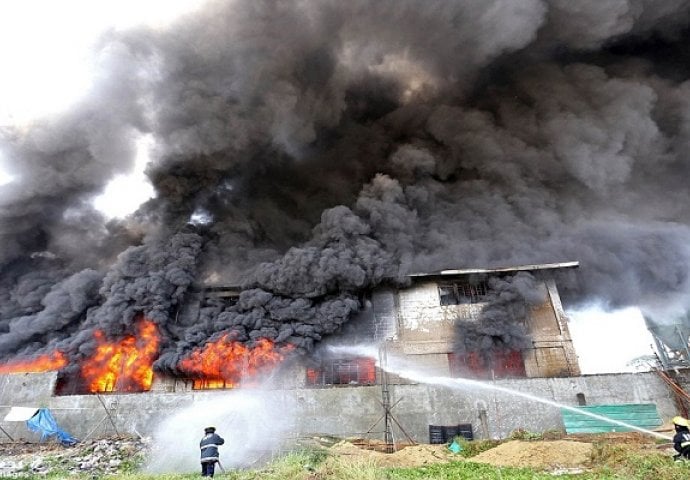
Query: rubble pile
{"points": [[99, 457]]}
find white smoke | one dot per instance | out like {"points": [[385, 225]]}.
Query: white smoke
{"points": [[253, 423]]}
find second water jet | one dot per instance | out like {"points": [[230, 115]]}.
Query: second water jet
{"points": [[406, 369]]}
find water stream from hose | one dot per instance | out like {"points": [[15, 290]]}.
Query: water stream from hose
{"points": [[405, 369]]}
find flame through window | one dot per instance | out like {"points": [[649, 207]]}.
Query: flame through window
{"points": [[487, 365], [354, 371]]}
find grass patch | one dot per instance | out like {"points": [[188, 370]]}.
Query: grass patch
{"points": [[293, 466], [610, 462], [625, 462], [522, 434], [470, 448], [340, 468], [133, 463], [470, 471]]}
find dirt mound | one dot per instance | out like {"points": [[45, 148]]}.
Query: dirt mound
{"points": [[537, 454], [409, 456], [417, 455]]}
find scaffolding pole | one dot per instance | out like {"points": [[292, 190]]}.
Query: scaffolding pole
{"points": [[386, 401]]}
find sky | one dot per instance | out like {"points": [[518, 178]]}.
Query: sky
{"points": [[47, 55], [125, 193], [47, 67], [608, 341]]}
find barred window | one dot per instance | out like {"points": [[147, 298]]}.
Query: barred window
{"points": [[458, 293], [353, 371], [492, 365], [211, 384]]}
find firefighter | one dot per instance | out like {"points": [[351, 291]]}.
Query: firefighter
{"points": [[681, 440], [209, 451]]}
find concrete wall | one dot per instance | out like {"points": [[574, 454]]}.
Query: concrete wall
{"points": [[425, 327], [553, 353], [343, 411]]}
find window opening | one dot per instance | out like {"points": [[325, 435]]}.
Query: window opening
{"points": [[458, 293], [211, 384], [494, 364], [354, 371]]}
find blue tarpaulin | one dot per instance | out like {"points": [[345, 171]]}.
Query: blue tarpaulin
{"points": [[44, 423]]}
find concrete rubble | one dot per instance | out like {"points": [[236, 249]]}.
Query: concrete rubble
{"points": [[99, 457]]}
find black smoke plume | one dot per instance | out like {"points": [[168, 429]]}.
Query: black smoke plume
{"points": [[328, 146], [500, 325]]}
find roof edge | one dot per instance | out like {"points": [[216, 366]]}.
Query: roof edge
{"points": [[519, 268]]}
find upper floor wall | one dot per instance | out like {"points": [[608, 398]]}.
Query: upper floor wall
{"points": [[436, 312]]}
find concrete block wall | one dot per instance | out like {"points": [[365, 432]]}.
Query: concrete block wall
{"points": [[425, 327], [345, 411], [420, 406], [385, 313], [35, 390]]}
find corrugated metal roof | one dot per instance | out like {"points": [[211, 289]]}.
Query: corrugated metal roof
{"points": [[519, 268]]}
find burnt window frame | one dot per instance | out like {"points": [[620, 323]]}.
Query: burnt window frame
{"points": [[342, 372], [462, 292], [205, 384], [501, 364]]}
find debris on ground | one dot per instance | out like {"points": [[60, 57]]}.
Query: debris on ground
{"points": [[98, 457], [570, 454]]}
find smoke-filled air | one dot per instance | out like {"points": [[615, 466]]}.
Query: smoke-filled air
{"points": [[253, 424], [308, 151]]}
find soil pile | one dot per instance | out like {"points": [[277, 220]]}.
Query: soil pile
{"points": [[544, 455], [409, 456]]}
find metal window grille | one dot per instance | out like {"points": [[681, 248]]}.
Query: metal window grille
{"points": [[357, 371], [457, 293], [497, 364], [507, 364], [470, 365], [206, 384]]}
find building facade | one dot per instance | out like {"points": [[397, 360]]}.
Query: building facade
{"points": [[486, 349], [460, 323]]}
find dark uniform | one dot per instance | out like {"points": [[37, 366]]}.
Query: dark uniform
{"points": [[209, 451], [681, 440]]}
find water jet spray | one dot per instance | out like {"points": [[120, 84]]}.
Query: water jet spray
{"points": [[403, 368]]}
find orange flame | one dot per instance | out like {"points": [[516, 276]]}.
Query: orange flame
{"points": [[43, 363], [125, 365], [225, 362]]}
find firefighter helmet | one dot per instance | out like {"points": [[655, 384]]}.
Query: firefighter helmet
{"points": [[680, 421]]}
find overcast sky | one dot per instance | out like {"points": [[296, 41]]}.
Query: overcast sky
{"points": [[47, 66]]}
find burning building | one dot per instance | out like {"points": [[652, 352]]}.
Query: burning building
{"points": [[316, 155], [504, 327], [484, 324], [491, 323]]}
